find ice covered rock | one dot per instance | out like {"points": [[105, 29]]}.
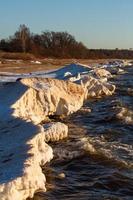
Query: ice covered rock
{"points": [[101, 73], [54, 97], [96, 88], [94, 81], [36, 98], [55, 131], [126, 115]]}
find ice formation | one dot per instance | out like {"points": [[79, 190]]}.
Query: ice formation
{"points": [[27, 101]]}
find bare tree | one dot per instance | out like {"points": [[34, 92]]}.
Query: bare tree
{"points": [[23, 35]]}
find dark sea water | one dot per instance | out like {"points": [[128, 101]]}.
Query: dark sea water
{"points": [[97, 157]]}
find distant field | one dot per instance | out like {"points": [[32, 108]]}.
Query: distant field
{"points": [[24, 63]]}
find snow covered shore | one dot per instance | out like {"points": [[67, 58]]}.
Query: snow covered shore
{"points": [[26, 100]]}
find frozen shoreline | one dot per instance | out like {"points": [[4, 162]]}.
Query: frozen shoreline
{"points": [[20, 116]]}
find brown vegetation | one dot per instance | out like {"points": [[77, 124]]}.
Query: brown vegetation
{"points": [[55, 45], [26, 66]]}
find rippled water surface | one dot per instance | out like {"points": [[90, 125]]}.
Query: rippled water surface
{"points": [[96, 161]]}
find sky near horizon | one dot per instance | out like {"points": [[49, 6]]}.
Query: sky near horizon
{"points": [[97, 23]]}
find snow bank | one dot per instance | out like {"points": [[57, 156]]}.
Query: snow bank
{"points": [[22, 151]]}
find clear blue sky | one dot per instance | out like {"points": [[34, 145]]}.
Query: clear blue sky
{"points": [[97, 23]]}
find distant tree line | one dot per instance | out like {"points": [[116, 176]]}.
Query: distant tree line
{"points": [[56, 44]]}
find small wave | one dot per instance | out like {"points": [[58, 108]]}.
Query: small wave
{"points": [[113, 152], [73, 149]]}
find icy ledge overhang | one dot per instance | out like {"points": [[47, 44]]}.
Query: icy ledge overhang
{"points": [[23, 151]]}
